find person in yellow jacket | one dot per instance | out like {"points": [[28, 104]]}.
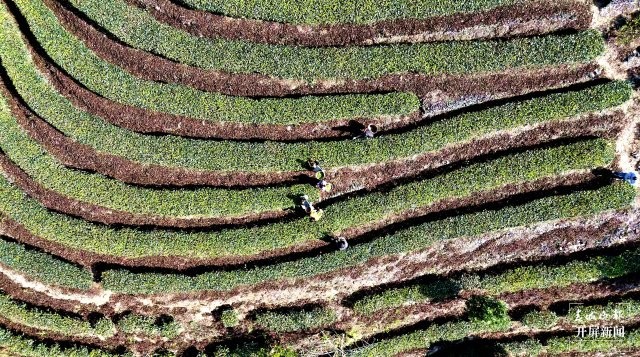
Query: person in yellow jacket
{"points": [[307, 206]]}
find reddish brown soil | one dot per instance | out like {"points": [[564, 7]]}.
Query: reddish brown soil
{"points": [[201, 23], [497, 85], [125, 302]]}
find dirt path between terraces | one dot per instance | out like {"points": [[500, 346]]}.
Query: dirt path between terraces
{"points": [[155, 68], [450, 88], [524, 19], [404, 317], [533, 243]]}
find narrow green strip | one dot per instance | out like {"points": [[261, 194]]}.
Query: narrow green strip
{"points": [[112, 194], [44, 267], [27, 347], [45, 321], [292, 321], [538, 276], [311, 12]]}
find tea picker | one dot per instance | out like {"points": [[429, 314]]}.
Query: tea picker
{"points": [[322, 184], [307, 206], [314, 165], [369, 132], [630, 177], [341, 243]]}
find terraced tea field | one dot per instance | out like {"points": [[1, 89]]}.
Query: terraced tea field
{"points": [[154, 156]]}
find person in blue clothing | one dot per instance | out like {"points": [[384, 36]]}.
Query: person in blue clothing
{"points": [[630, 177]]}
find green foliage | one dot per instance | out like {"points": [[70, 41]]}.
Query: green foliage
{"points": [[280, 351], [139, 29], [581, 203], [625, 309], [98, 75], [538, 276], [342, 11], [629, 32], [27, 347], [298, 320], [51, 322], [431, 291], [229, 318], [146, 325], [450, 331], [271, 156], [571, 344], [354, 211], [106, 192], [243, 349], [43, 267], [487, 310], [526, 348], [540, 319]]}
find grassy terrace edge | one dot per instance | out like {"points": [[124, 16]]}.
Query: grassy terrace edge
{"points": [[139, 29], [374, 207], [172, 151], [43, 267], [581, 203], [315, 12]]}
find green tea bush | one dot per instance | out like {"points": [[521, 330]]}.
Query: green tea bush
{"points": [[581, 203], [173, 151], [139, 29], [291, 321], [43, 267], [538, 276], [540, 319], [229, 318], [146, 325], [396, 297], [629, 32], [310, 12], [485, 309], [51, 322], [355, 211], [450, 331], [106, 192], [573, 345], [19, 345], [97, 75]]}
